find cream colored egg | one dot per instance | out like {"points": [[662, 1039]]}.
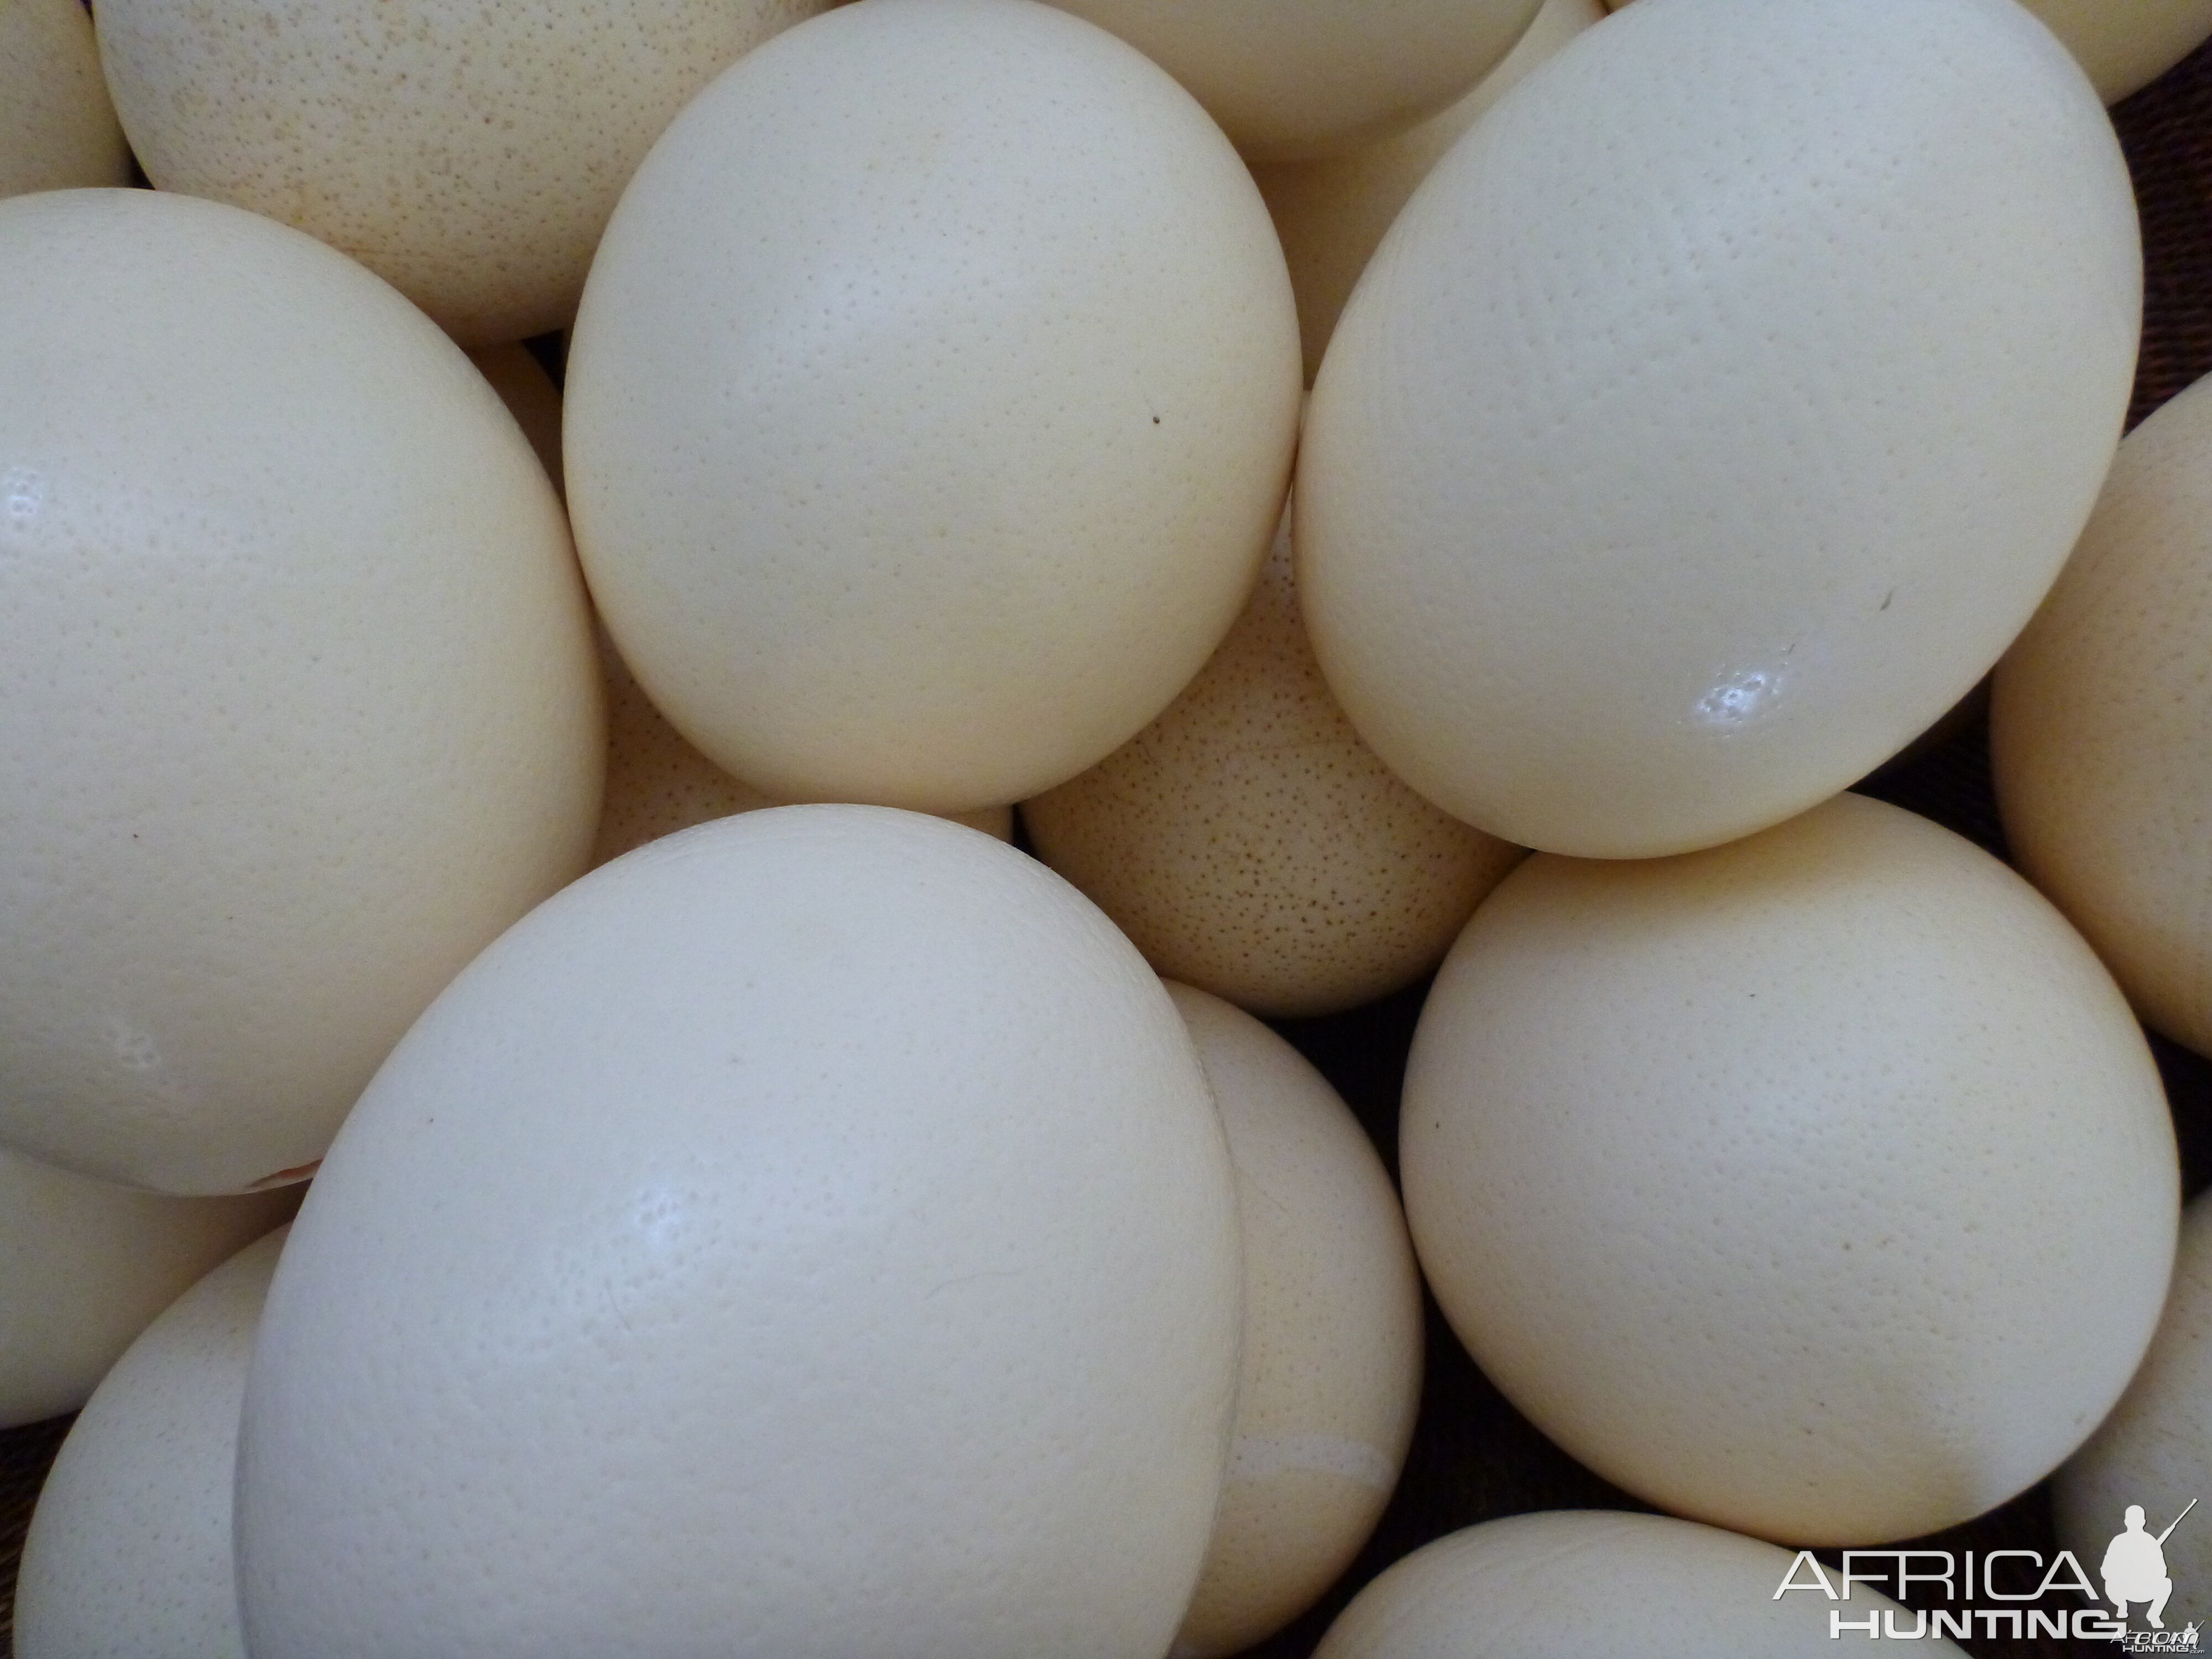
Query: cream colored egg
{"points": [[2100, 726], [57, 128], [129, 1555], [2154, 1451], [1715, 413], [1567, 1583], [1249, 843], [931, 405], [297, 705], [1331, 214], [657, 784], [467, 151], [1331, 1376], [809, 1235], [1307, 79], [84, 1266], [2126, 44], [1819, 1185], [2123, 45]]}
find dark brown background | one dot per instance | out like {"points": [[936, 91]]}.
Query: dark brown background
{"points": [[1473, 1457]]}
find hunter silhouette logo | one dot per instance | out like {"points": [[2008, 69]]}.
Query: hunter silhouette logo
{"points": [[2133, 1569]]}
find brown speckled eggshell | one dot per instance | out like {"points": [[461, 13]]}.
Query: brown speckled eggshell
{"points": [[1251, 844], [1820, 1185], [467, 151], [57, 128], [2100, 726]]}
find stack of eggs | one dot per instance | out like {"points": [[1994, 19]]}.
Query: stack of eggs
{"points": [[780, 1230]]}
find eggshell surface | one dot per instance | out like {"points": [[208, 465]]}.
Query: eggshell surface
{"points": [[57, 128], [85, 1266], [1819, 1186], [1306, 79], [297, 704], [467, 151], [1331, 1374], [931, 405], [2100, 726], [657, 784], [1332, 213], [809, 1235], [1249, 843], [129, 1555], [1565, 1581], [2155, 1448], [2126, 44], [1717, 412]]}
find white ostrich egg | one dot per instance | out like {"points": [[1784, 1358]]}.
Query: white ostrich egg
{"points": [[931, 405], [810, 1234], [297, 703]]}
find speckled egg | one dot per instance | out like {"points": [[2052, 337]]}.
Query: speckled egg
{"points": [[811, 1234], [1331, 214], [467, 151], [57, 128], [1567, 1583], [931, 405], [2154, 1451], [1331, 1375], [657, 784], [130, 1548], [84, 1266], [1819, 1186], [2100, 726], [297, 703], [1309, 78], [1717, 412], [1249, 843]]}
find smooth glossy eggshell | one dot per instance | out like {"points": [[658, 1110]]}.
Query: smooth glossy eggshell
{"points": [[931, 405], [57, 128], [1248, 841], [297, 703], [1316, 77], [2100, 726], [1567, 1583], [1820, 1185], [811, 1234], [1717, 412], [1331, 1374], [129, 1549], [467, 151]]}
